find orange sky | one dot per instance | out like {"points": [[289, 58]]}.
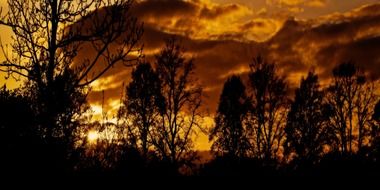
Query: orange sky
{"points": [[224, 35]]}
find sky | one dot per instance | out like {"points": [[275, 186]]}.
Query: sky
{"points": [[223, 36]]}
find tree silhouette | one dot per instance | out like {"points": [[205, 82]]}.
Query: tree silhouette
{"points": [[47, 36], [375, 132], [44, 124], [46, 42], [25, 152], [182, 97], [58, 106], [14, 105], [344, 92], [307, 129], [16, 124], [364, 105], [269, 100], [230, 133], [144, 104], [350, 93], [376, 112]]}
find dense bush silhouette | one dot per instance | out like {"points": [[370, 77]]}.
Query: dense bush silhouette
{"points": [[307, 129], [143, 106], [230, 133]]}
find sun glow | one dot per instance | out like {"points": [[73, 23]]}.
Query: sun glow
{"points": [[92, 136]]}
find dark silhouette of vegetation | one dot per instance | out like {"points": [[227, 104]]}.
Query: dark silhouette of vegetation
{"points": [[15, 132], [351, 98], [375, 133], [182, 98], [269, 107], [307, 130], [376, 112], [230, 134], [45, 44], [311, 141], [44, 49], [27, 151], [143, 105], [47, 128]]}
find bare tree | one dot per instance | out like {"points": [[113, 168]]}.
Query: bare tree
{"points": [[307, 129], [182, 98], [364, 105], [143, 104], [343, 101], [270, 104], [47, 36], [352, 98], [230, 132], [375, 123]]}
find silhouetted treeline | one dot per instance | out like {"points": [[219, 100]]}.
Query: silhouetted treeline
{"points": [[260, 129], [321, 131]]}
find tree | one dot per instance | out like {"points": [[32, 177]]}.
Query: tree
{"points": [[230, 133], [269, 105], [16, 137], [307, 130], [364, 105], [144, 103], [344, 91], [376, 112], [58, 106], [47, 38], [375, 132], [13, 106], [182, 98], [24, 151], [352, 99]]}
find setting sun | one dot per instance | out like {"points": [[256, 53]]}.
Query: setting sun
{"points": [[92, 136]]}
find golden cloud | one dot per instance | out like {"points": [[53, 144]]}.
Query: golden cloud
{"points": [[239, 70], [329, 40], [293, 3], [285, 2], [203, 19], [316, 3], [261, 29]]}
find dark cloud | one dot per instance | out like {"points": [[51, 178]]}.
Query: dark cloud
{"points": [[214, 12], [177, 8], [194, 18], [322, 44], [297, 47], [164, 8], [364, 52], [214, 59]]}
